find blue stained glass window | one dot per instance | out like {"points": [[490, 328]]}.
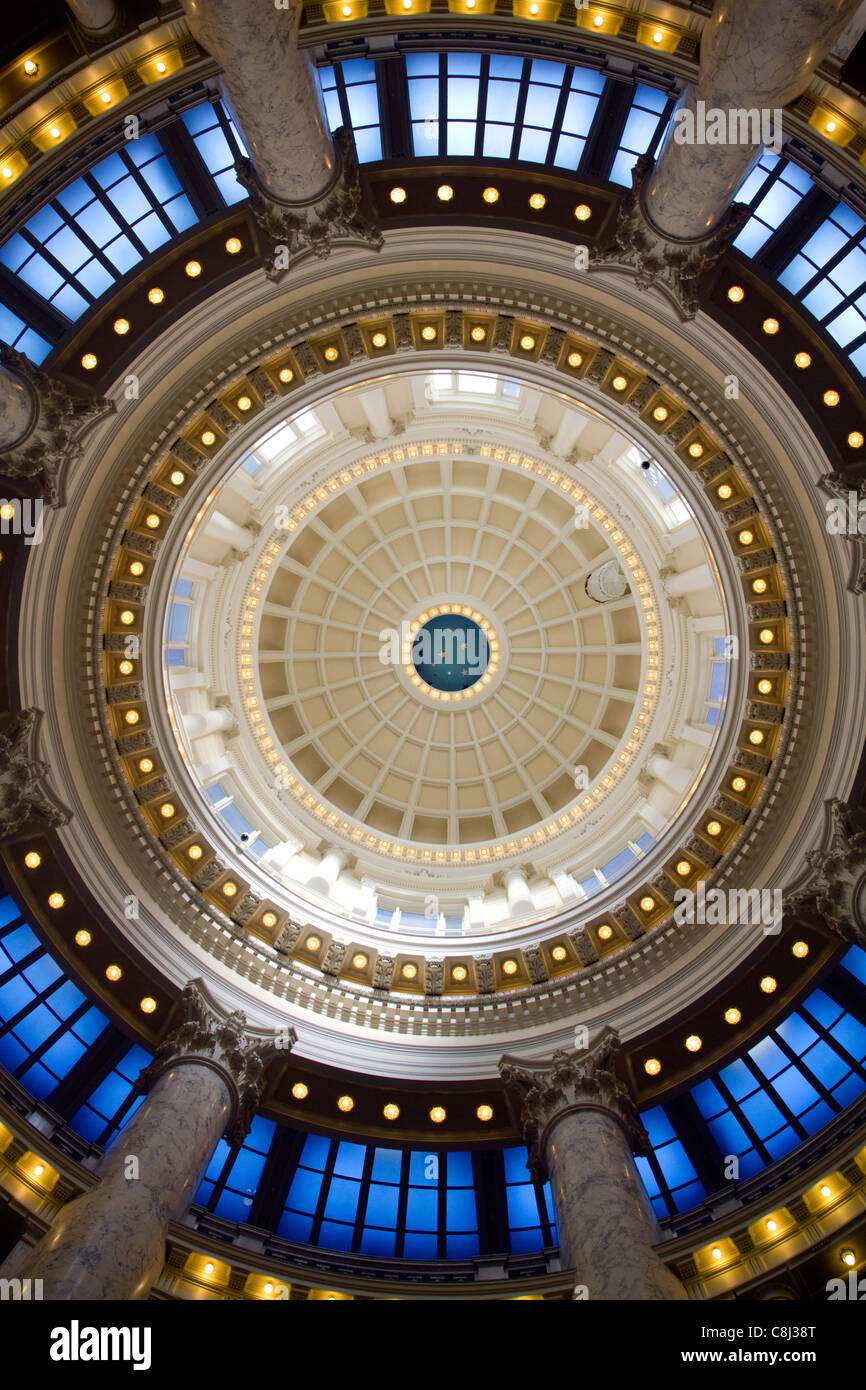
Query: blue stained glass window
{"points": [[352, 97], [853, 961], [210, 127], [304, 1191], [386, 1165], [773, 190], [640, 133], [422, 1209], [382, 1205]]}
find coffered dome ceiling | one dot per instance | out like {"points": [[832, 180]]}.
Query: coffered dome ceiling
{"points": [[297, 810]]}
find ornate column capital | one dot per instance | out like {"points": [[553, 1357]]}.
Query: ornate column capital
{"points": [[24, 796], [39, 456], [338, 213], [569, 1082], [210, 1039], [834, 893], [677, 267]]}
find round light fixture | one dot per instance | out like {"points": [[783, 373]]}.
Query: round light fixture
{"points": [[583, 212], [537, 201], [652, 1066], [89, 361], [484, 1113], [732, 1016], [802, 360], [684, 868], [82, 938], [269, 919], [855, 440], [736, 294], [768, 984], [575, 359], [233, 245], [398, 195], [192, 269], [121, 327], [459, 973], [379, 340], [694, 1043], [391, 1111], [619, 383], [445, 193], [345, 1103], [800, 949], [300, 1091], [360, 961], [156, 295], [559, 953], [770, 326], [739, 784], [147, 1004], [831, 398], [312, 943], [113, 972], [32, 859], [491, 195], [438, 1114], [286, 374], [428, 332]]}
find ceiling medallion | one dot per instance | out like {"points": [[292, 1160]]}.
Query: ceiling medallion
{"points": [[450, 652]]}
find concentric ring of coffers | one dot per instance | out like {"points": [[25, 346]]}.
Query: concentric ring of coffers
{"points": [[759, 734]]}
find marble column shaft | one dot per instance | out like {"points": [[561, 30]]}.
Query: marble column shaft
{"points": [[110, 1243], [755, 54], [272, 90], [96, 17], [581, 1127], [606, 1226], [18, 410], [205, 1080]]}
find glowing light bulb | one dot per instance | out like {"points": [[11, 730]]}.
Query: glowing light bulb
{"points": [[736, 294], [732, 1016], [484, 1113], [398, 195], [652, 1066], [32, 859], [445, 193], [121, 327], [82, 938], [89, 361], [300, 1091], [156, 295], [802, 360], [147, 1004], [233, 245], [438, 1114], [537, 201], [391, 1111], [491, 195]]}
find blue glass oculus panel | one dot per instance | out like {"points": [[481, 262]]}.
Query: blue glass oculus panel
{"points": [[450, 652], [641, 132]]}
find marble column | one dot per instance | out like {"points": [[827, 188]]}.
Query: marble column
{"points": [[518, 894], [271, 88], [96, 18], [205, 1081], [607, 583], [41, 424], [223, 528], [303, 184], [325, 876], [210, 721], [755, 54], [581, 1127], [678, 218], [19, 409]]}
